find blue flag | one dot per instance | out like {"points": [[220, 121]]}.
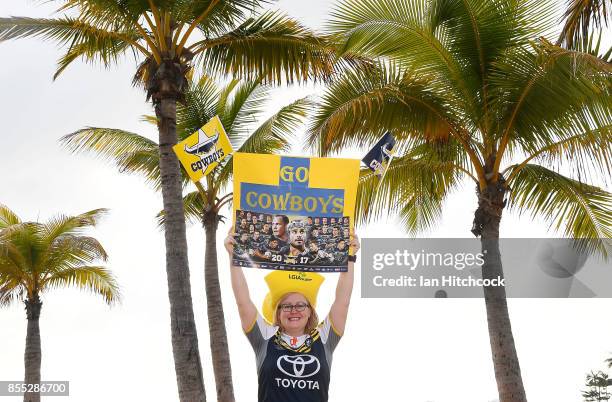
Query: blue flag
{"points": [[379, 157]]}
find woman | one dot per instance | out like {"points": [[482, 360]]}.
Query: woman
{"points": [[294, 354]]}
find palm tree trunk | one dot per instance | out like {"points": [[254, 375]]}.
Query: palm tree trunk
{"points": [[505, 359], [216, 319], [33, 354], [182, 323]]}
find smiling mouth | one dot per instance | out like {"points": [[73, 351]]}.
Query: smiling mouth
{"points": [[295, 318]]}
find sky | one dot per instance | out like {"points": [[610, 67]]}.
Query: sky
{"points": [[417, 350]]}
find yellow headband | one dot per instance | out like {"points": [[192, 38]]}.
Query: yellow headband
{"points": [[282, 282]]}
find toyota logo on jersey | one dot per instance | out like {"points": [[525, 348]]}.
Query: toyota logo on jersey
{"points": [[300, 366]]}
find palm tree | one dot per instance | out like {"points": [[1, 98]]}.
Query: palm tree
{"points": [[598, 387], [240, 106], [38, 257], [467, 93], [579, 16], [166, 37]]}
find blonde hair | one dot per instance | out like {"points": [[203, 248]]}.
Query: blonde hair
{"points": [[313, 320]]}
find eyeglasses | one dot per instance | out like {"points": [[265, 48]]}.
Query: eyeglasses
{"points": [[287, 308]]}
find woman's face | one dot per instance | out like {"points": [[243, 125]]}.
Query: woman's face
{"points": [[294, 320]]}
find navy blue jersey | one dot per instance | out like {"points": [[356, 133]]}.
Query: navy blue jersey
{"points": [[340, 256], [293, 369], [257, 245]]}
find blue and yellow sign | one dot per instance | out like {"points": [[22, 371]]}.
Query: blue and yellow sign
{"points": [[293, 213], [202, 151], [323, 187]]}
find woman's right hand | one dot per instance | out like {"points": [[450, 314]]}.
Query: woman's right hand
{"points": [[229, 242]]}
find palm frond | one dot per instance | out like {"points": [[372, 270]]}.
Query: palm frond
{"points": [[11, 293], [199, 107], [34, 255], [12, 283], [20, 247], [70, 251], [244, 108], [96, 279], [105, 53], [401, 32], [193, 205], [7, 217], [526, 81], [593, 45], [103, 12], [130, 152], [238, 104], [479, 32], [588, 154], [144, 163], [413, 188], [273, 135], [65, 30], [147, 118], [576, 209], [272, 46], [420, 212], [224, 95], [361, 105], [580, 16], [13, 265], [93, 43], [106, 143], [63, 225], [222, 16]]}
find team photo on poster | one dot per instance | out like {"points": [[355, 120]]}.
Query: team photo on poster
{"points": [[298, 243]]}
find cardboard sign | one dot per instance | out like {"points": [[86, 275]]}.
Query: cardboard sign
{"points": [[202, 151], [301, 208]]}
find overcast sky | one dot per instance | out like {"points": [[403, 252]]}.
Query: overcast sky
{"points": [[393, 350]]}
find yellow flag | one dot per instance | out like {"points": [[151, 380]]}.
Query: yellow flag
{"points": [[202, 151]]}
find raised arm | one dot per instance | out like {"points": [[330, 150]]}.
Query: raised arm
{"points": [[344, 288], [246, 308]]}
